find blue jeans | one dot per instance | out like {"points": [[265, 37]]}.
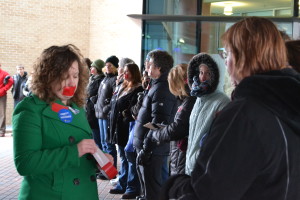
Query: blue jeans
{"points": [[107, 147], [165, 170], [128, 178], [96, 136]]}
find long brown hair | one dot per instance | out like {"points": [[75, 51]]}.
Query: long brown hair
{"points": [[52, 66], [135, 74], [177, 79], [256, 46]]}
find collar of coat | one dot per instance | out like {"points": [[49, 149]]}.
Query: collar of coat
{"points": [[77, 120]]}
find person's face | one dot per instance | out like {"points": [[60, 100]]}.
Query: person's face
{"points": [[147, 65], [204, 73], [109, 67], [20, 71], [93, 71], [153, 72], [127, 74], [120, 71], [229, 62], [71, 80]]}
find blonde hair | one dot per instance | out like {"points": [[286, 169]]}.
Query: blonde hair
{"points": [[114, 69], [256, 46], [177, 79]]}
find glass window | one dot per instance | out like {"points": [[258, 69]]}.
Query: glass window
{"points": [[276, 8], [171, 7], [178, 38]]}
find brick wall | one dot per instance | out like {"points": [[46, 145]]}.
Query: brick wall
{"points": [[99, 28]]}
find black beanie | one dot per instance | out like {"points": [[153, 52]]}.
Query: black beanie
{"points": [[113, 60]]}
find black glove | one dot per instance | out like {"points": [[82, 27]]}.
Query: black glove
{"points": [[148, 143], [5, 81], [140, 96], [144, 157]]}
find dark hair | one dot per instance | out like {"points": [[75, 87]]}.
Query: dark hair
{"points": [[88, 62], [52, 66], [135, 73], [293, 53], [161, 59]]}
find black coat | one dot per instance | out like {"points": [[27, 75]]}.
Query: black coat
{"points": [[159, 106], [18, 85], [177, 132], [92, 92], [252, 150], [120, 116], [105, 92]]}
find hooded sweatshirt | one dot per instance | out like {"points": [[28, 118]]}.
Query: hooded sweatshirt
{"points": [[252, 150]]}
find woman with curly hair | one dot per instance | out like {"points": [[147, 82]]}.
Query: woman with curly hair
{"points": [[52, 138]]}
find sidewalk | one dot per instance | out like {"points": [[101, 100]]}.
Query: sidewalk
{"points": [[10, 180]]}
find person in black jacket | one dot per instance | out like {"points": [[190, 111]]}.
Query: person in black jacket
{"points": [[120, 117], [92, 91], [19, 83], [102, 106], [178, 130], [159, 106], [252, 149]]}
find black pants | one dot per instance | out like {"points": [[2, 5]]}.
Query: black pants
{"points": [[151, 176]]}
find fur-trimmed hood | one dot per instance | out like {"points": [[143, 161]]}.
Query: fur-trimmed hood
{"points": [[216, 65]]}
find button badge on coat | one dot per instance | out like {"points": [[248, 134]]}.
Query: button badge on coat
{"points": [[65, 116]]}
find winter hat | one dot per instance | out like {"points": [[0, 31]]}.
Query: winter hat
{"points": [[98, 64], [113, 60]]}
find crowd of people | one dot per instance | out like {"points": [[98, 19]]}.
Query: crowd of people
{"points": [[175, 131]]}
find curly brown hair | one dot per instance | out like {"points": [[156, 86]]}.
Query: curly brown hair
{"points": [[51, 67]]}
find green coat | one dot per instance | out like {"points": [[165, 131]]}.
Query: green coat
{"points": [[45, 153]]}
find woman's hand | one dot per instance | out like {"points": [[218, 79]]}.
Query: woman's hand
{"points": [[110, 158], [86, 146]]}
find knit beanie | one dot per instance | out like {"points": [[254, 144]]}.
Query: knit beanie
{"points": [[98, 64], [113, 60]]}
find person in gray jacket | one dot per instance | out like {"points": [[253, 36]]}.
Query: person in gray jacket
{"points": [[206, 84], [102, 106]]}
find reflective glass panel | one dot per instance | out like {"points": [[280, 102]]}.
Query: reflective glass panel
{"points": [[178, 38], [274, 8], [171, 7]]}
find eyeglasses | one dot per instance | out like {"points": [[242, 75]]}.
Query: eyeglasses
{"points": [[224, 55]]}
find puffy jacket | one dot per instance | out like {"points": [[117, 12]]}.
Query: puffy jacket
{"points": [[206, 106], [177, 132], [159, 106], [92, 92], [105, 92], [252, 150]]}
